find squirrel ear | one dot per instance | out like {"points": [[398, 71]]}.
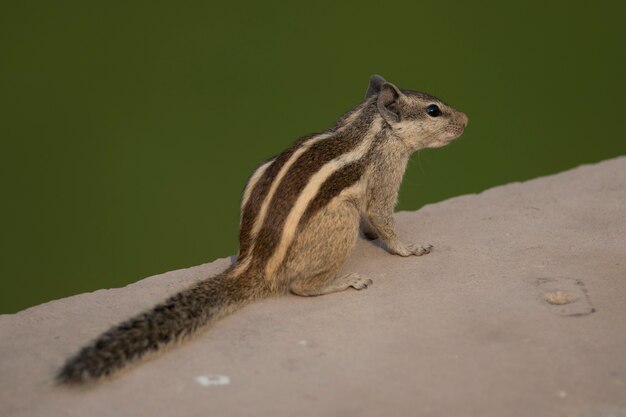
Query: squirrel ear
{"points": [[374, 88], [389, 102]]}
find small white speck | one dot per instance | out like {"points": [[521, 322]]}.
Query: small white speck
{"points": [[562, 394], [207, 380], [303, 343]]}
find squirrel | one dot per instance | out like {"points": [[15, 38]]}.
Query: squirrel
{"points": [[301, 213]]}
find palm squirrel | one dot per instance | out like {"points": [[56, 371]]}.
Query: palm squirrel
{"points": [[300, 217]]}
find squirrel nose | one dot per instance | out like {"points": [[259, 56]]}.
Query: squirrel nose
{"points": [[464, 119]]}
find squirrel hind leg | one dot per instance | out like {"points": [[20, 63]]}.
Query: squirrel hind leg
{"points": [[319, 251]]}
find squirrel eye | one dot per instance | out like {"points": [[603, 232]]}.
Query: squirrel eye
{"points": [[433, 110]]}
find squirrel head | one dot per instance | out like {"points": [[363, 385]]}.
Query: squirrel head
{"points": [[420, 120]]}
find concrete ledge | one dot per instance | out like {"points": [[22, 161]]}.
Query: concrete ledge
{"points": [[519, 311]]}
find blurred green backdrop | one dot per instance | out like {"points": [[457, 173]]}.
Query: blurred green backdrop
{"points": [[129, 128]]}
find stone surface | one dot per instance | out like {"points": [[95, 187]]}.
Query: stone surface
{"points": [[519, 311]]}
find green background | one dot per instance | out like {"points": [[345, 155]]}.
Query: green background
{"points": [[128, 129]]}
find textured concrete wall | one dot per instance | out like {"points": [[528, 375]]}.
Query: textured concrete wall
{"points": [[519, 311]]}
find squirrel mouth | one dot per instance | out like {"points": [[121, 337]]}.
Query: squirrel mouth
{"points": [[454, 134]]}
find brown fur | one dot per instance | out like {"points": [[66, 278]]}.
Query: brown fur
{"points": [[300, 219]]}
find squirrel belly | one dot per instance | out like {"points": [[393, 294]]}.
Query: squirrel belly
{"points": [[300, 217]]}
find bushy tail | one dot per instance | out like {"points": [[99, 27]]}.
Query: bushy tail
{"points": [[175, 318]]}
